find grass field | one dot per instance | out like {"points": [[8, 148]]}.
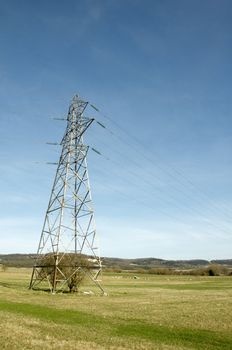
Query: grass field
{"points": [[152, 312]]}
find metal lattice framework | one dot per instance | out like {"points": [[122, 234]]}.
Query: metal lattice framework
{"points": [[67, 246]]}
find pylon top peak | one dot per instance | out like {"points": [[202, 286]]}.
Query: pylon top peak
{"points": [[76, 98]]}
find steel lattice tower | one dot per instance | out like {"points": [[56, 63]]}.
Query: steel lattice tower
{"points": [[69, 232]]}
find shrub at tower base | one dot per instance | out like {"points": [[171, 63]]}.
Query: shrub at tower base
{"points": [[71, 268]]}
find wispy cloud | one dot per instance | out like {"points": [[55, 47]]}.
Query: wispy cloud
{"points": [[170, 240], [19, 234]]}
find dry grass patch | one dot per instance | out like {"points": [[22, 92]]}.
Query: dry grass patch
{"points": [[154, 312]]}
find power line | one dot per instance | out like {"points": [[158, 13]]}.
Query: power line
{"points": [[144, 179], [138, 200], [167, 200], [177, 173]]}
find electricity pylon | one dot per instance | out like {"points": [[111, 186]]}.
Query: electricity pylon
{"points": [[67, 246]]}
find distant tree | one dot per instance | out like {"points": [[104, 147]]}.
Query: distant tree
{"points": [[217, 270]]}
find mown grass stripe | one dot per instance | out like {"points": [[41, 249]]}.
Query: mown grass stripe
{"points": [[49, 314], [194, 338]]}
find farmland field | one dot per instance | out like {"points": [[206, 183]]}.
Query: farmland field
{"points": [[151, 312]]}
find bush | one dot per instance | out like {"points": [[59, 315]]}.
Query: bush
{"points": [[211, 270], [70, 267], [140, 271], [161, 271]]}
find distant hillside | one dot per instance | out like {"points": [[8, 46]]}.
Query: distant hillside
{"points": [[27, 260], [227, 262], [17, 260], [149, 263]]}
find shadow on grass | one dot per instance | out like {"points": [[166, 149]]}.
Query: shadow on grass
{"points": [[194, 338]]}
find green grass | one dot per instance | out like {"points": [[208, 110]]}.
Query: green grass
{"points": [[153, 312]]}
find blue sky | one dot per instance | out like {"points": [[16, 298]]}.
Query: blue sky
{"points": [[161, 71]]}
